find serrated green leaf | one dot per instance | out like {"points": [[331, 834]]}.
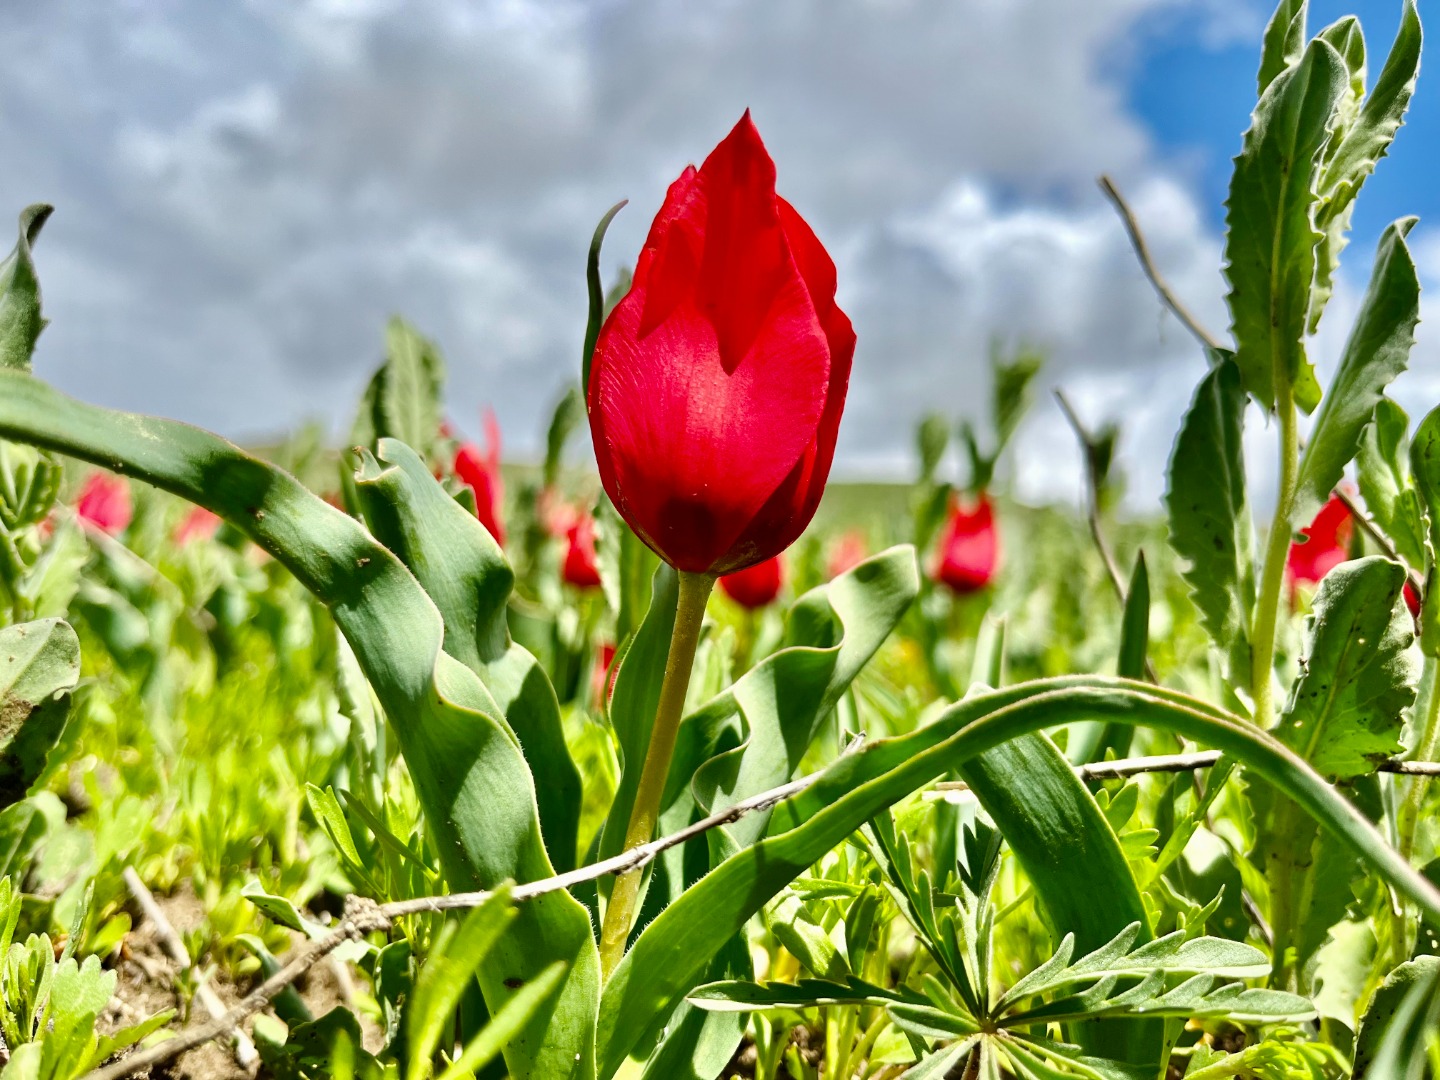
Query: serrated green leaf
{"points": [[1207, 515], [1271, 238], [20, 317], [1362, 141], [1377, 351], [1358, 671], [1283, 42], [1383, 470], [1425, 468]]}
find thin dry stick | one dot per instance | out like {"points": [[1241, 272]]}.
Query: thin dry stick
{"points": [[364, 916], [1097, 531], [1202, 759], [245, 1052], [1142, 251]]}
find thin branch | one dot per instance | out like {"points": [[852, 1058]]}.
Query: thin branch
{"points": [[1142, 252], [1203, 759], [1383, 542], [1097, 530], [245, 1052]]}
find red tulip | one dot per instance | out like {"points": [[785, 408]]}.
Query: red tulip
{"points": [[104, 503], [849, 552], [480, 472], [581, 569], [198, 524], [1326, 547], [717, 383], [602, 679], [755, 586], [555, 514], [970, 548]]}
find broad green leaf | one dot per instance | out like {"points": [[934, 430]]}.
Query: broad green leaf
{"points": [[1399, 1027], [464, 572], [1172, 954], [20, 317], [659, 967], [1283, 42], [411, 384], [1358, 671], [39, 666], [469, 773], [1362, 142], [505, 1025], [1206, 510], [1376, 352], [1271, 239], [1383, 469], [1425, 468]]}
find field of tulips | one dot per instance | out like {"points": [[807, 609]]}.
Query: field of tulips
{"points": [[393, 761]]}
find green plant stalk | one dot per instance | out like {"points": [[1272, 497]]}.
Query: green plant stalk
{"points": [[624, 896], [1272, 572]]}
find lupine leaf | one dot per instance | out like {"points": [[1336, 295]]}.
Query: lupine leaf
{"points": [[1206, 510], [1358, 672], [1376, 352], [1171, 954], [1271, 239], [745, 996], [1196, 998]]}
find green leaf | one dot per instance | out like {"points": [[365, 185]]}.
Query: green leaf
{"points": [[1362, 143], [20, 318], [1358, 672], [1206, 510], [464, 572], [39, 666], [1271, 239], [1425, 466], [1195, 998], [1283, 43], [1172, 954], [470, 775], [1013, 382], [1399, 1027], [594, 290], [568, 415], [408, 402], [506, 1024], [744, 996], [932, 437], [1383, 468], [1376, 352]]}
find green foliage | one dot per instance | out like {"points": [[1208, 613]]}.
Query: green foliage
{"points": [[39, 667], [20, 317]]}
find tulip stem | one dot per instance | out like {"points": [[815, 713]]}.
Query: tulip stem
{"points": [[689, 615]]}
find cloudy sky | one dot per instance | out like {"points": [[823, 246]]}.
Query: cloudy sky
{"points": [[246, 190]]}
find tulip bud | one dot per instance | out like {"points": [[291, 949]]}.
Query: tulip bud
{"points": [[581, 568], [755, 586], [480, 472], [969, 549], [717, 383], [104, 503]]}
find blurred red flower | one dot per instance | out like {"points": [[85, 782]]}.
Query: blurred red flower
{"points": [[198, 524], [479, 470], [104, 503], [849, 552], [1326, 547], [602, 679], [717, 383], [755, 586], [969, 548], [580, 568]]}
